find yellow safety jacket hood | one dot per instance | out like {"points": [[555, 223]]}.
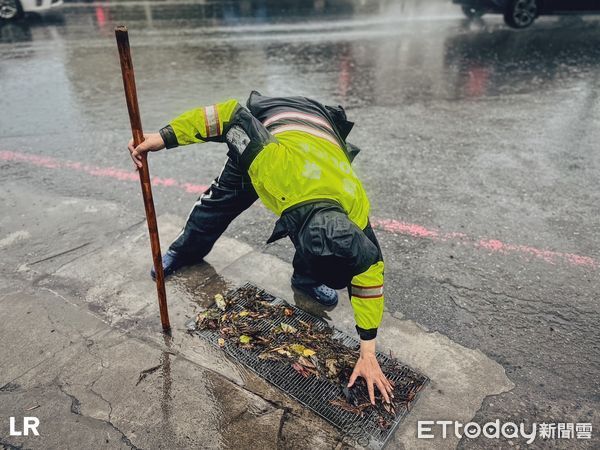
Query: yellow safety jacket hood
{"points": [[333, 248]]}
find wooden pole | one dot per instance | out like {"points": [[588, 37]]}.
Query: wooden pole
{"points": [[138, 138]]}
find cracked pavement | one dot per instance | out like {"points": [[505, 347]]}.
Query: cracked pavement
{"points": [[92, 365], [97, 365], [80, 375]]}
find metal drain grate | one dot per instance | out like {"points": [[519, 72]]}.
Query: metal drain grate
{"points": [[313, 392]]}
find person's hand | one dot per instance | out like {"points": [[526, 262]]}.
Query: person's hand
{"points": [[152, 143], [367, 367]]}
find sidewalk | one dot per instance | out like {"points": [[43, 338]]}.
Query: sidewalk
{"points": [[82, 349]]}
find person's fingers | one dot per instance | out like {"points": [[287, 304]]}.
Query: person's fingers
{"points": [[371, 391], [135, 162], [388, 384], [382, 388], [353, 378], [143, 147], [137, 159]]}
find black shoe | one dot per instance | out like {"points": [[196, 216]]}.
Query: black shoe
{"points": [[171, 263], [321, 293]]}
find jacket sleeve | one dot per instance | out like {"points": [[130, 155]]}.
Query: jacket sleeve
{"points": [[366, 295], [207, 123]]}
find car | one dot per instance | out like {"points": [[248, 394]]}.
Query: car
{"points": [[522, 13], [14, 9]]}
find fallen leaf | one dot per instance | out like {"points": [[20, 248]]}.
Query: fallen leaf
{"points": [[221, 342], [341, 403], [332, 369], [298, 348], [243, 313], [283, 352], [267, 304], [288, 312], [306, 325], [383, 424], [205, 317], [285, 328], [306, 363], [302, 350], [245, 339], [301, 370], [220, 301]]}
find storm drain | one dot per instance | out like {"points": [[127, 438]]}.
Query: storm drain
{"points": [[317, 392]]}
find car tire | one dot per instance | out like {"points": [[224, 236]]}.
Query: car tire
{"points": [[472, 12], [521, 13], [10, 9]]}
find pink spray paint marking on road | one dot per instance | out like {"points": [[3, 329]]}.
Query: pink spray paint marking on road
{"points": [[102, 172], [411, 229], [493, 246]]}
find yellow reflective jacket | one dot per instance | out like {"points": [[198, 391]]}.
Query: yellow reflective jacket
{"points": [[294, 154]]}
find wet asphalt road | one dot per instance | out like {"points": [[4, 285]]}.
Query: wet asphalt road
{"points": [[480, 153]]}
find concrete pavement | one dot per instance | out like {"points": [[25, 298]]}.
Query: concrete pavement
{"points": [[82, 345]]}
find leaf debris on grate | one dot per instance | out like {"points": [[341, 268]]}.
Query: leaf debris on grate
{"points": [[309, 360]]}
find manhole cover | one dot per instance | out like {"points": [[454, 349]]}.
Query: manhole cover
{"points": [[365, 428]]}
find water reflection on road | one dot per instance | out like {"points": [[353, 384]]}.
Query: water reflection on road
{"points": [[375, 53]]}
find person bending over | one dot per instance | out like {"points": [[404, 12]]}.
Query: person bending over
{"points": [[291, 152]]}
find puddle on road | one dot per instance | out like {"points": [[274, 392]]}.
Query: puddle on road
{"points": [[217, 404], [200, 284], [166, 401]]}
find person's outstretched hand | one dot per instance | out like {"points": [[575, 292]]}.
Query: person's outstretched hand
{"points": [[153, 142], [367, 367]]}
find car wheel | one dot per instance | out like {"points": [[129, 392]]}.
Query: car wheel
{"points": [[10, 9], [521, 13], [472, 12]]}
